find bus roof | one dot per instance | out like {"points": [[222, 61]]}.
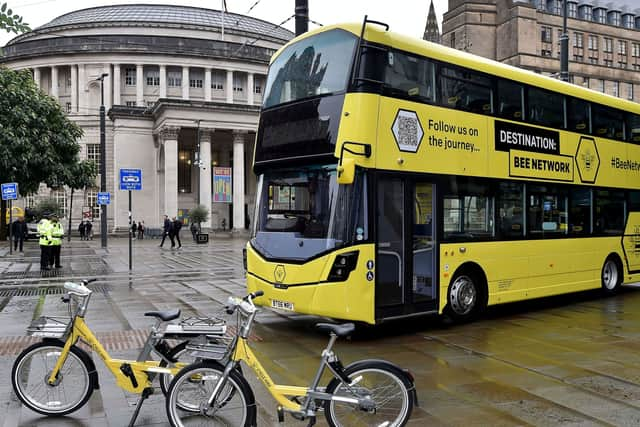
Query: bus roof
{"points": [[376, 34]]}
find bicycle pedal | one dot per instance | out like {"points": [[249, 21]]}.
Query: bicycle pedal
{"points": [[280, 412]]}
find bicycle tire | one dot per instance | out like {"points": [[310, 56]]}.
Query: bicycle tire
{"points": [[81, 383], [380, 380], [237, 408]]}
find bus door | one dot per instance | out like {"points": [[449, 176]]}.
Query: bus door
{"points": [[405, 247]]}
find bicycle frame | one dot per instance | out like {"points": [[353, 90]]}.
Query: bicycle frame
{"points": [[139, 368]]}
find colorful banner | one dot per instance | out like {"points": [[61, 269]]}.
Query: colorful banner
{"points": [[222, 185]]}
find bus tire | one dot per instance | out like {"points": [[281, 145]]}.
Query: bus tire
{"points": [[466, 297], [611, 275]]}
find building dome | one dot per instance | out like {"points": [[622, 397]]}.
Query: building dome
{"points": [[167, 16]]}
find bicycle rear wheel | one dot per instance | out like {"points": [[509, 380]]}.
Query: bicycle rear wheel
{"points": [[186, 402], [385, 392], [31, 370]]}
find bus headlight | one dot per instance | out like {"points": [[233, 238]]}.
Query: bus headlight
{"points": [[343, 265]]}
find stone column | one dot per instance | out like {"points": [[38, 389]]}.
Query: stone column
{"points": [[250, 88], [207, 84], [82, 89], [36, 76], [230, 86], [74, 88], [117, 90], [163, 81], [139, 85], [205, 173], [238, 180], [54, 81], [108, 84], [169, 136], [185, 83]]}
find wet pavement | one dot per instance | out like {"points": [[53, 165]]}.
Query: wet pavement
{"points": [[569, 361]]}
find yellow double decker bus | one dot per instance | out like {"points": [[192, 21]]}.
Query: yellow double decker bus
{"points": [[397, 177]]}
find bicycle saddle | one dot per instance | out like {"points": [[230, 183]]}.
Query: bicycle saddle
{"points": [[165, 315], [340, 330]]}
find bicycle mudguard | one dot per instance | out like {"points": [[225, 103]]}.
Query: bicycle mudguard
{"points": [[403, 373], [86, 359]]}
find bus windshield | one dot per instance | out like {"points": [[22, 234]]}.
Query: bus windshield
{"points": [[313, 66], [302, 213]]}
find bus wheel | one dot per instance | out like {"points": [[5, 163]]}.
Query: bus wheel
{"points": [[465, 297], [611, 275]]}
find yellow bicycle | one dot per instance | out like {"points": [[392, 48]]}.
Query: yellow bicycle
{"points": [[364, 393], [56, 377]]}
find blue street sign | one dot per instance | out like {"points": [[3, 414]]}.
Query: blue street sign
{"points": [[131, 179], [104, 198], [10, 191]]}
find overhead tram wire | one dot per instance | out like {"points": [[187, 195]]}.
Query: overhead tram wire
{"points": [[265, 34]]}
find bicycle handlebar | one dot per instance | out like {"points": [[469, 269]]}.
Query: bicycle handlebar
{"points": [[246, 303]]}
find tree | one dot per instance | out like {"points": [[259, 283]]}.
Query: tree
{"points": [[12, 22], [81, 175], [198, 215], [49, 205], [37, 140]]}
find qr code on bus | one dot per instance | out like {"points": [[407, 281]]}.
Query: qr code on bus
{"points": [[407, 131]]}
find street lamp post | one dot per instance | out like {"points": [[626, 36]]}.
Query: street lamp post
{"points": [[564, 46], [103, 164]]}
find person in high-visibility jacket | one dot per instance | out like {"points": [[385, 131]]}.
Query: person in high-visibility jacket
{"points": [[44, 230], [56, 241]]}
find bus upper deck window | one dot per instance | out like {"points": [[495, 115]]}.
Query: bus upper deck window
{"points": [[510, 97], [409, 76]]}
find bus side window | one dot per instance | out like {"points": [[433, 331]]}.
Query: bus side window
{"points": [[610, 212], [510, 100], [578, 115], [545, 108], [547, 211], [509, 207], [607, 122], [408, 76], [633, 128], [580, 211], [465, 90]]}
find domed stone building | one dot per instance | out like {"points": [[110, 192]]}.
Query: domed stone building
{"points": [[182, 88]]}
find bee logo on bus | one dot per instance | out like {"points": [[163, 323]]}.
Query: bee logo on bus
{"points": [[407, 131], [587, 160], [279, 273]]}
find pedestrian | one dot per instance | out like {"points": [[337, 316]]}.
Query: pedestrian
{"points": [[177, 226], [167, 230], [19, 231], [87, 230], [194, 231], [44, 231], [57, 233], [81, 229], [141, 230], [134, 230]]}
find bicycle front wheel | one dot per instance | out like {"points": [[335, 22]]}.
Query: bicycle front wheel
{"points": [[30, 373], [190, 390], [383, 393]]}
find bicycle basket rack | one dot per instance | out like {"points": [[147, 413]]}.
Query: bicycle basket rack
{"points": [[195, 326], [48, 327]]}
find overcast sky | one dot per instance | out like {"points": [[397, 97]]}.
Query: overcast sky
{"points": [[404, 16]]}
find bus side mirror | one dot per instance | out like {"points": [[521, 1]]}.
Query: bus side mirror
{"points": [[347, 171]]}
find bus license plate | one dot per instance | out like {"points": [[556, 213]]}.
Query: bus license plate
{"points": [[282, 305]]}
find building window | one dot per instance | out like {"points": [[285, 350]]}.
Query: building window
{"points": [[217, 80], [130, 76], [195, 83], [68, 107], [93, 153], [257, 87], [545, 34], [572, 8], [92, 202], [578, 58], [184, 171], [453, 40], [60, 196], [630, 91], [68, 81], [153, 78], [593, 42], [600, 85], [130, 103], [622, 47], [608, 45], [635, 50], [614, 18], [628, 21], [30, 201], [616, 88], [546, 52], [585, 12], [607, 62], [174, 78], [600, 15], [578, 40], [593, 60], [238, 84]]}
